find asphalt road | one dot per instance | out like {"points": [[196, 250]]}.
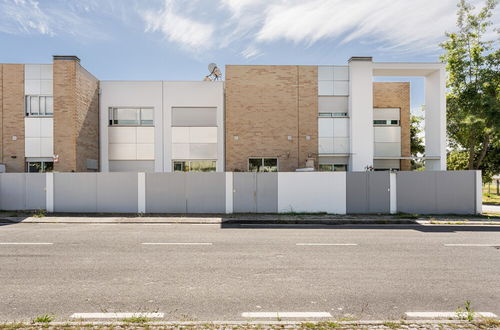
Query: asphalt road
{"points": [[381, 273]]}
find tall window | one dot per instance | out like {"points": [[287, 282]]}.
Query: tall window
{"points": [[37, 167], [194, 166], [263, 164], [131, 116], [37, 105]]}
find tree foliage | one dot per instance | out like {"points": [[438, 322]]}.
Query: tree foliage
{"points": [[473, 107], [417, 147]]}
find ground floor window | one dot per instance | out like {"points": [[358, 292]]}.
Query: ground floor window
{"points": [[333, 167], [194, 165], [39, 167], [263, 164]]}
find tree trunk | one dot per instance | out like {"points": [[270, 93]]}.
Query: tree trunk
{"points": [[471, 157], [486, 144]]}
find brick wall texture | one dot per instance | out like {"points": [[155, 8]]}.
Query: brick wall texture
{"points": [[76, 116], [396, 95], [264, 106], [12, 117]]}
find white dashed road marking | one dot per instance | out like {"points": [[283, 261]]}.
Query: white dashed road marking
{"points": [[474, 245], [115, 315], [285, 314], [445, 315], [326, 244], [178, 243], [24, 243]]}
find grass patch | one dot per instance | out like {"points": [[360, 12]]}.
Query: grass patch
{"points": [[40, 214], [406, 216], [320, 325], [45, 318], [487, 323], [392, 325], [490, 195], [136, 319]]}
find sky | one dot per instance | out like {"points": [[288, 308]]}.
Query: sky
{"points": [[177, 39]]}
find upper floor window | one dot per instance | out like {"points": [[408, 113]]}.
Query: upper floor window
{"points": [[263, 164], [386, 122], [333, 114], [131, 116], [38, 105]]}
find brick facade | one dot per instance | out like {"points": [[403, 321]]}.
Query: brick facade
{"points": [[264, 106], [12, 117], [76, 116], [396, 95]]}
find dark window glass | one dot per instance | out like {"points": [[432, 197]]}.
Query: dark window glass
{"points": [[394, 122], [340, 168], [380, 122], [48, 166], [325, 167], [34, 167], [254, 164]]}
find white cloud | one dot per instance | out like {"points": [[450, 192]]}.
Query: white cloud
{"points": [[23, 16], [251, 52], [188, 32]]}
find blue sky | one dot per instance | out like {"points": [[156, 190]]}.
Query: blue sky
{"points": [[175, 39]]}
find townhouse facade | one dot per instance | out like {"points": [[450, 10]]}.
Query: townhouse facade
{"points": [[59, 117]]}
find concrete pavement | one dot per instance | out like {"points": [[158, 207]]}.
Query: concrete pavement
{"points": [[218, 272]]}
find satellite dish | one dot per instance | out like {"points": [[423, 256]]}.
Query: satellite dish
{"points": [[214, 72]]}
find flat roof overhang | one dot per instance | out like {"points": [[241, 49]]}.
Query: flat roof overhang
{"points": [[406, 69]]}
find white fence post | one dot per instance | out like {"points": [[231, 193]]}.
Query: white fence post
{"points": [[229, 192], [479, 193], [393, 193], [141, 192], [49, 192]]}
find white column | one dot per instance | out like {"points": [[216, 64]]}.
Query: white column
{"points": [[103, 134], [229, 192], [49, 192], [361, 114], [141, 192], [479, 193], [435, 120], [393, 194]]}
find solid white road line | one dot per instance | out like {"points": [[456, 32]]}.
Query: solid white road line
{"points": [[24, 243], [286, 314], [474, 245], [178, 243], [455, 315], [326, 244], [114, 315]]}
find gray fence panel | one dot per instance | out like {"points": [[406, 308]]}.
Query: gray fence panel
{"points": [[267, 192], [379, 196], [356, 197], [35, 191], [206, 192], [244, 192], [75, 192], [12, 190], [166, 193], [455, 192], [416, 192], [117, 192]]}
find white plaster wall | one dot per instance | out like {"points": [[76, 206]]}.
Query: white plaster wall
{"points": [[192, 94], [135, 94], [312, 192], [361, 114], [39, 141], [435, 120]]}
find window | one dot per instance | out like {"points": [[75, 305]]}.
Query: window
{"points": [[131, 117], [333, 114], [386, 122], [195, 166], [37, 105], [333, 167], [39, 167], [263, 164]]}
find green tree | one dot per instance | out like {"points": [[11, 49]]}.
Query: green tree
{"points": [[417, 147], [472, 62]]}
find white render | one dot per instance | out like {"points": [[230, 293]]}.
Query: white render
{"points": [[161, 143]]}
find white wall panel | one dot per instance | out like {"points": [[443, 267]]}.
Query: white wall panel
{"points": [[312, 192], [325, 72], [46, 71], [46, 127], [387, 149], [325, 145], [325, 87], [180, 150], [32, 71], [145, 151], [325, 127], [32, 147], [340, 127], [145, 135], [203, 134], [340, 73], [341, 88], [180, 134], [387, 134], [122, 135], [333, 104], [122, 151], [46, 147], [340, 145], [386, 114], [32, 127], [32, 87], [203, 151], [46, 87]]}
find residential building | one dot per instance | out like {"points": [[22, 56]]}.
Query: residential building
{"points": [[261, 118]]}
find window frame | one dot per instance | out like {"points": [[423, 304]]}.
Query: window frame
{"points": [[262, 159], [189, 166], [388, 122], [333, 167], [111, 115], [43, 166], [41, 112]]}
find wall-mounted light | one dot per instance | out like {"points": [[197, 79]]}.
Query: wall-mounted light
{"points": [[14, 138], [289, 138], [308, 137], [236, 137]]}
